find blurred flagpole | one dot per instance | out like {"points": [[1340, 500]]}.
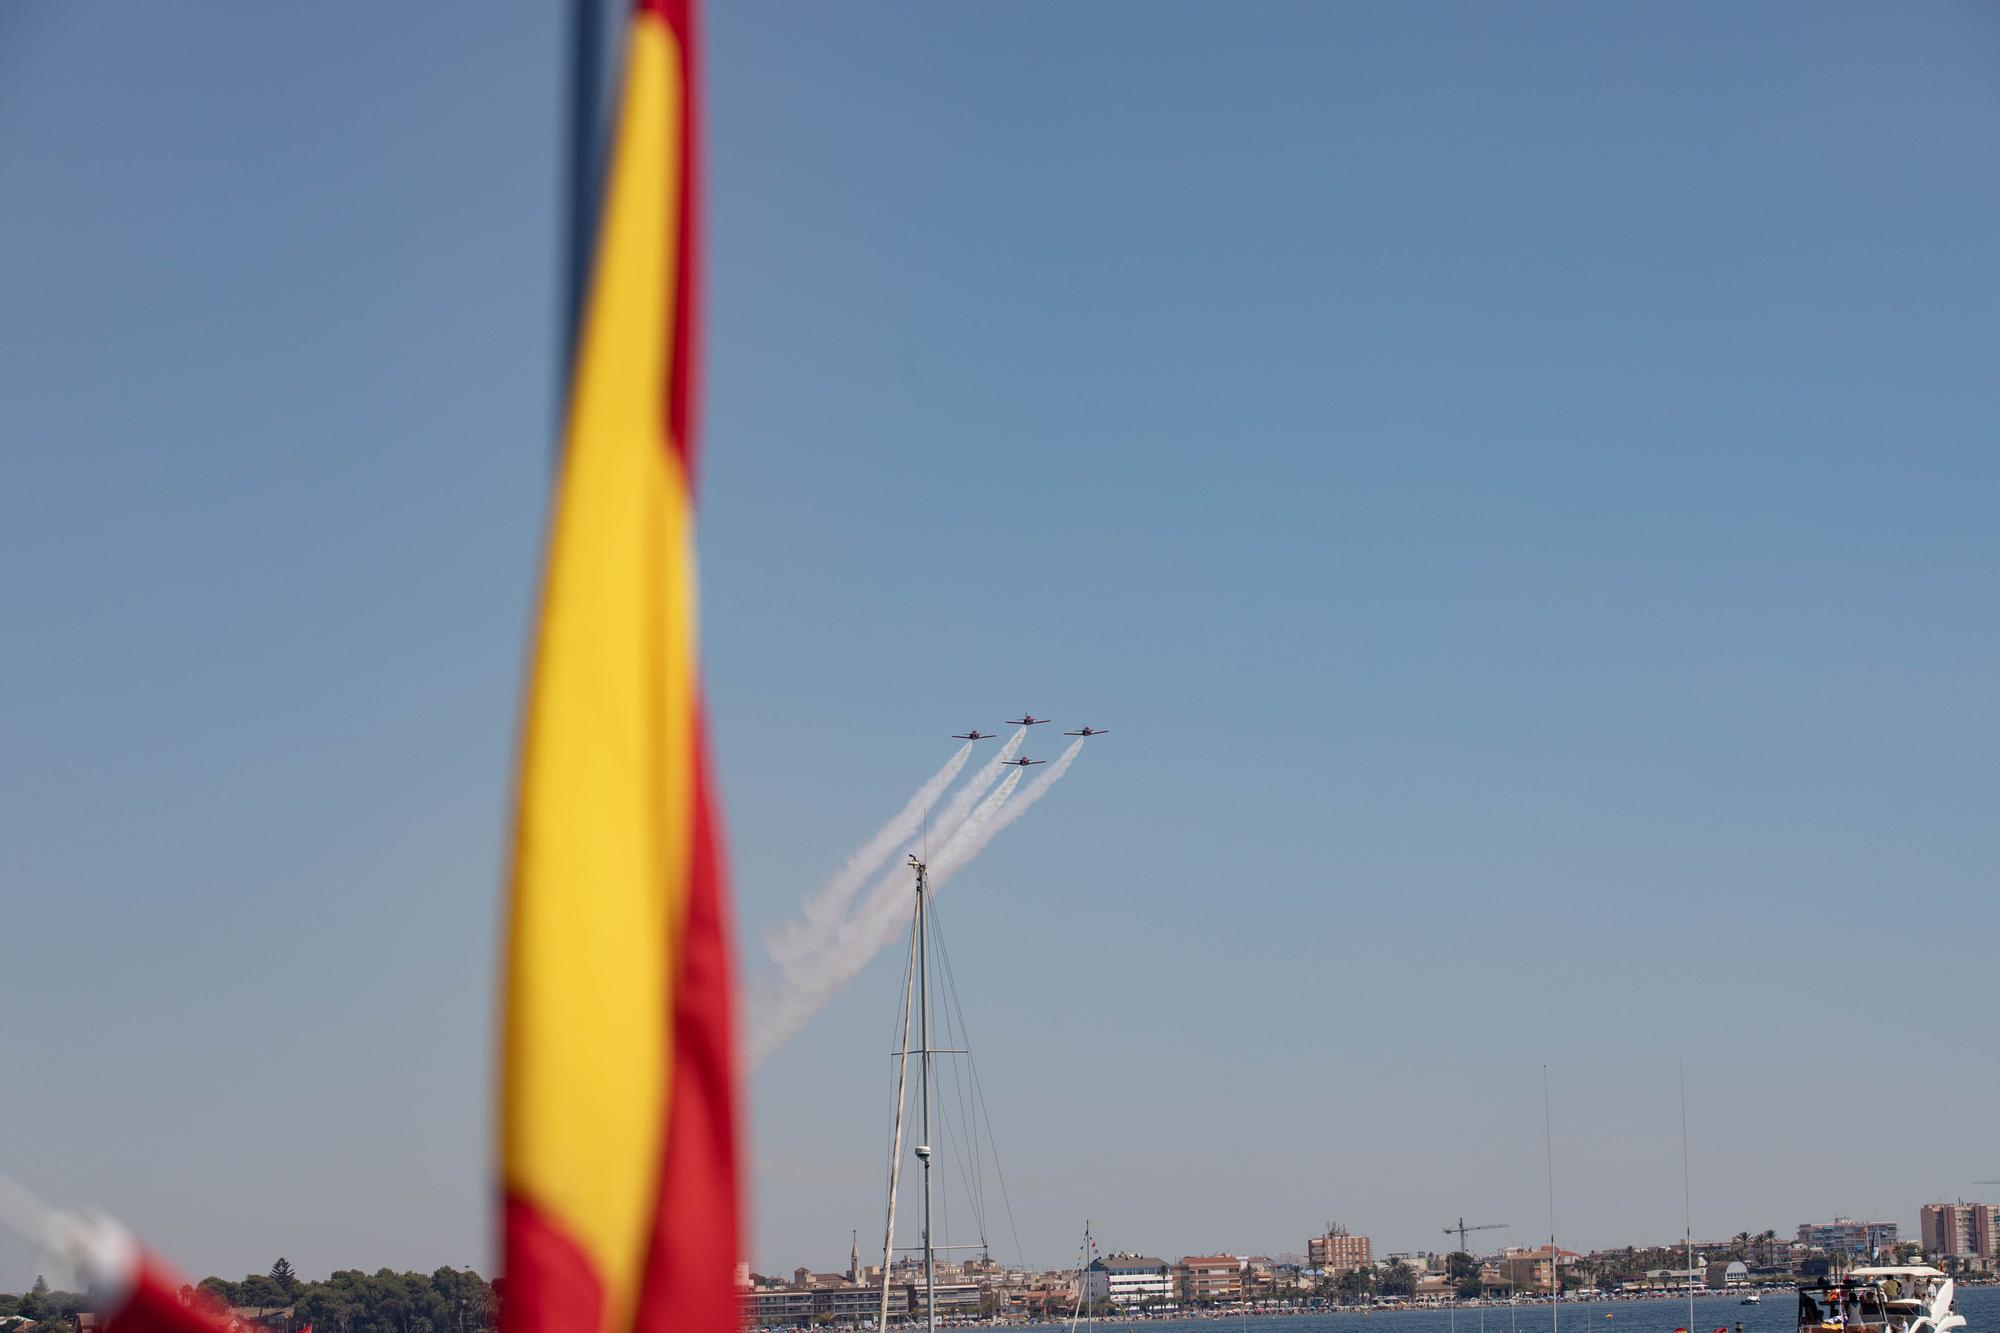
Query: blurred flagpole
{"points": [[594, 39]]}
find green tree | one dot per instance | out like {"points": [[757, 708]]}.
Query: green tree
{"points": [[466, 1299], [449, 1300], [330, 1306], [1353, 1285], [1399, 1280], [216, 1294], [282, 1274], [262, 1292]]}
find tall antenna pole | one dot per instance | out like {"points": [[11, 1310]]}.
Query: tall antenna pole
{"points": [[1687, 1195], [924, 1079], [1513, 1296], [1549, 1150], [896, 1143]]}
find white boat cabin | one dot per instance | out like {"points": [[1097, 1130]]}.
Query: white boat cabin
{"points": [[1905, 1299]]}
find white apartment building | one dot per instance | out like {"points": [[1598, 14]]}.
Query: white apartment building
{"points": [[1128, 1279]]}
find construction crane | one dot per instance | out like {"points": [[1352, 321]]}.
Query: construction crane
{"points": [[1461, 1229]]}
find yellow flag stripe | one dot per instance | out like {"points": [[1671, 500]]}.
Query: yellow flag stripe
{"points": [[602, 841]]}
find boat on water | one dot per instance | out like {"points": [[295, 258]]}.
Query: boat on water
{"points": [[1754, 1298], [1911, 1298]]}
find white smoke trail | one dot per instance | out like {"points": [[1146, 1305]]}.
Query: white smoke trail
{"points": [[870, 925], [820, 911], [781, 1008], [961, 850], [778, 1011], [965, 797], [991, 811], [806, 961]]}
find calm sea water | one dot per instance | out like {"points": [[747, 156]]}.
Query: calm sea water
{"points": [[1775, 1314]]}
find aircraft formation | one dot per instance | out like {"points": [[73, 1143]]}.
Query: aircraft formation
{"points": [[1025, 720]]}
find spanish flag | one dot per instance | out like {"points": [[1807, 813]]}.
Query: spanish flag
{"points": [[618, 1164]]}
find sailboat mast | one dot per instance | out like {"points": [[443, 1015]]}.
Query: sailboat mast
{"points": [[924, 1078], [896, 1142], [1555, 1255], [1687, 1197]]}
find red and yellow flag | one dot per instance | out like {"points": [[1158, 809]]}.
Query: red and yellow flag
{"points": [[618, 1121]]}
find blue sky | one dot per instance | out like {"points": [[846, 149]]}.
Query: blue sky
{"points": [[1519, 481]]}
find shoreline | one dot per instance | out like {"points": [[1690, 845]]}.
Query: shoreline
{"points": [[1290, 1311]]}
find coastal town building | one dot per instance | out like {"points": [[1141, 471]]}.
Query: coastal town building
{"points": [[1435, 1287], [1722, 1274], [1043, 1301], [1209, 1277], [1535, 1270], [1844, 1235], [955, 1300], [851, 1303], [1125, 1280], [784, 1305], [1338, 1250], [1960, 1230], [1261, 1275], [854, 1299]]}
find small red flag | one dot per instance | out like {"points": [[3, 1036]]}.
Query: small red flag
{"points": [[132, 1287], [152, 1302]]}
